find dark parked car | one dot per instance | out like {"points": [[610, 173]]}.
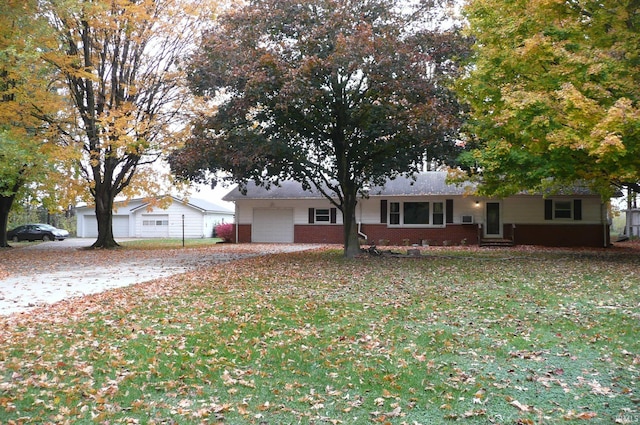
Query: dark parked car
{"points": [[36, 232]]}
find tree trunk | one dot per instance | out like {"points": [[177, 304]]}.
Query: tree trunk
{"points": [[5, 207], [104, 215], [351, 241]]}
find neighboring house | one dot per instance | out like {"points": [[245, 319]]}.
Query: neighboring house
{"points": [[424, 211], [136, 218], [632, 227]]}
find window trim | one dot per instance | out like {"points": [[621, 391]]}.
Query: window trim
{"points": [[322, 215], [551, 209], [562, 210], [331, 214], [395, 214], [155, 222]]}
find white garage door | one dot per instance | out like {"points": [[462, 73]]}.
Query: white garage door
{"points": [[120, 226], [272, 225], [155, 226], [90, 226]]}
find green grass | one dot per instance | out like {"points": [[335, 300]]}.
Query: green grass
{"points": [[475, 337], [161, 243]]}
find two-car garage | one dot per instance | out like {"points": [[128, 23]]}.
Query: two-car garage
{"points": [[120, 226], [140, 218]]}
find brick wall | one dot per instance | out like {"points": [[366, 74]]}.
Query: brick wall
{"points": [[525, 234], [375, 233], [244, 233], [309, 233], [593, 235], [453, 234]]}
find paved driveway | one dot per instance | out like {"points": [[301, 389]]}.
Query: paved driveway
{"points": [[44, 273]]}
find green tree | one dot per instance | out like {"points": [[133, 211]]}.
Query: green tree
{"points": [[553, 92], [335, 94], [26, 98], [121, 61]]}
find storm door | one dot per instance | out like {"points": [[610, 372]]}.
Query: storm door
{"points": [[493, 222]]}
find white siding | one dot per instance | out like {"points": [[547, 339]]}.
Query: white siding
{"points": [[367, 210], [300, 208], [193, 222], [530, 210], [128, 220]]}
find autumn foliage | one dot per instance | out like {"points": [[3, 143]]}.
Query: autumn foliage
{"points": [[336, 95], [553, 91], [121, 64], [225, 231]]}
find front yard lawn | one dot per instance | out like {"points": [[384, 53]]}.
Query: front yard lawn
{"points": [[473, 336]]}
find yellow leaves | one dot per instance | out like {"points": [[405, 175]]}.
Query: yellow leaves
{"points": [[576, 105], [590, 127], [611, 143], [70, 65], [619, 120]]}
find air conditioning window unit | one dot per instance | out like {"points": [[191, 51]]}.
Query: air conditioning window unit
{"points": [[467, 219]]}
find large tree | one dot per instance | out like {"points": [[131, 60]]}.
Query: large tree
{"points": [[121, 61], [554, 93], [336, 94], [26, 99]]}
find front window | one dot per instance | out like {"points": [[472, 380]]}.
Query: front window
{"points": [[417, 213], [562, 209], [322, 214], [394, 213], [438, 213]]}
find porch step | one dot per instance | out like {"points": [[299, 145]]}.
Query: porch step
{"points": [[497, 242]]}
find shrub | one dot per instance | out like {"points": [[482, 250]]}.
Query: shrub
{"points": [[225, 231]]}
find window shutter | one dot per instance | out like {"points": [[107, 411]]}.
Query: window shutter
{"points": [[312, 215], [548, 209], [383, 211], [334, 214], [449, 207], [577, 209]]}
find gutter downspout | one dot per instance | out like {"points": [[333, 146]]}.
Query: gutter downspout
{"points": [[360, 226], [360, 233], [235, 219]]}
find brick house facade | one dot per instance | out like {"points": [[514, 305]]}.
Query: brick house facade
{"points": [[424, 210]]}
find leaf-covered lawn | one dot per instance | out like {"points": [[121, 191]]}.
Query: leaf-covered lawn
{"points": [[520, 336]]}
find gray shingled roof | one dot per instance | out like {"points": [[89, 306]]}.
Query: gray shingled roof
{"points": [[197, 203], [209, 206], [429, 183]]}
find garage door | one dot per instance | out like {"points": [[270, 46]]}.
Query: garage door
{"points": [[90, 226], [120, 226], [155, 226], [272, 225]]}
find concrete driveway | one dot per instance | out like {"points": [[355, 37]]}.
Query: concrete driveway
{"points": [[44, 273]]}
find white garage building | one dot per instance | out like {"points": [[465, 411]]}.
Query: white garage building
{"points": [[137, 218]]}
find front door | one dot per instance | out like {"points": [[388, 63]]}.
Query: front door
{"points": [[493, 227]]}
